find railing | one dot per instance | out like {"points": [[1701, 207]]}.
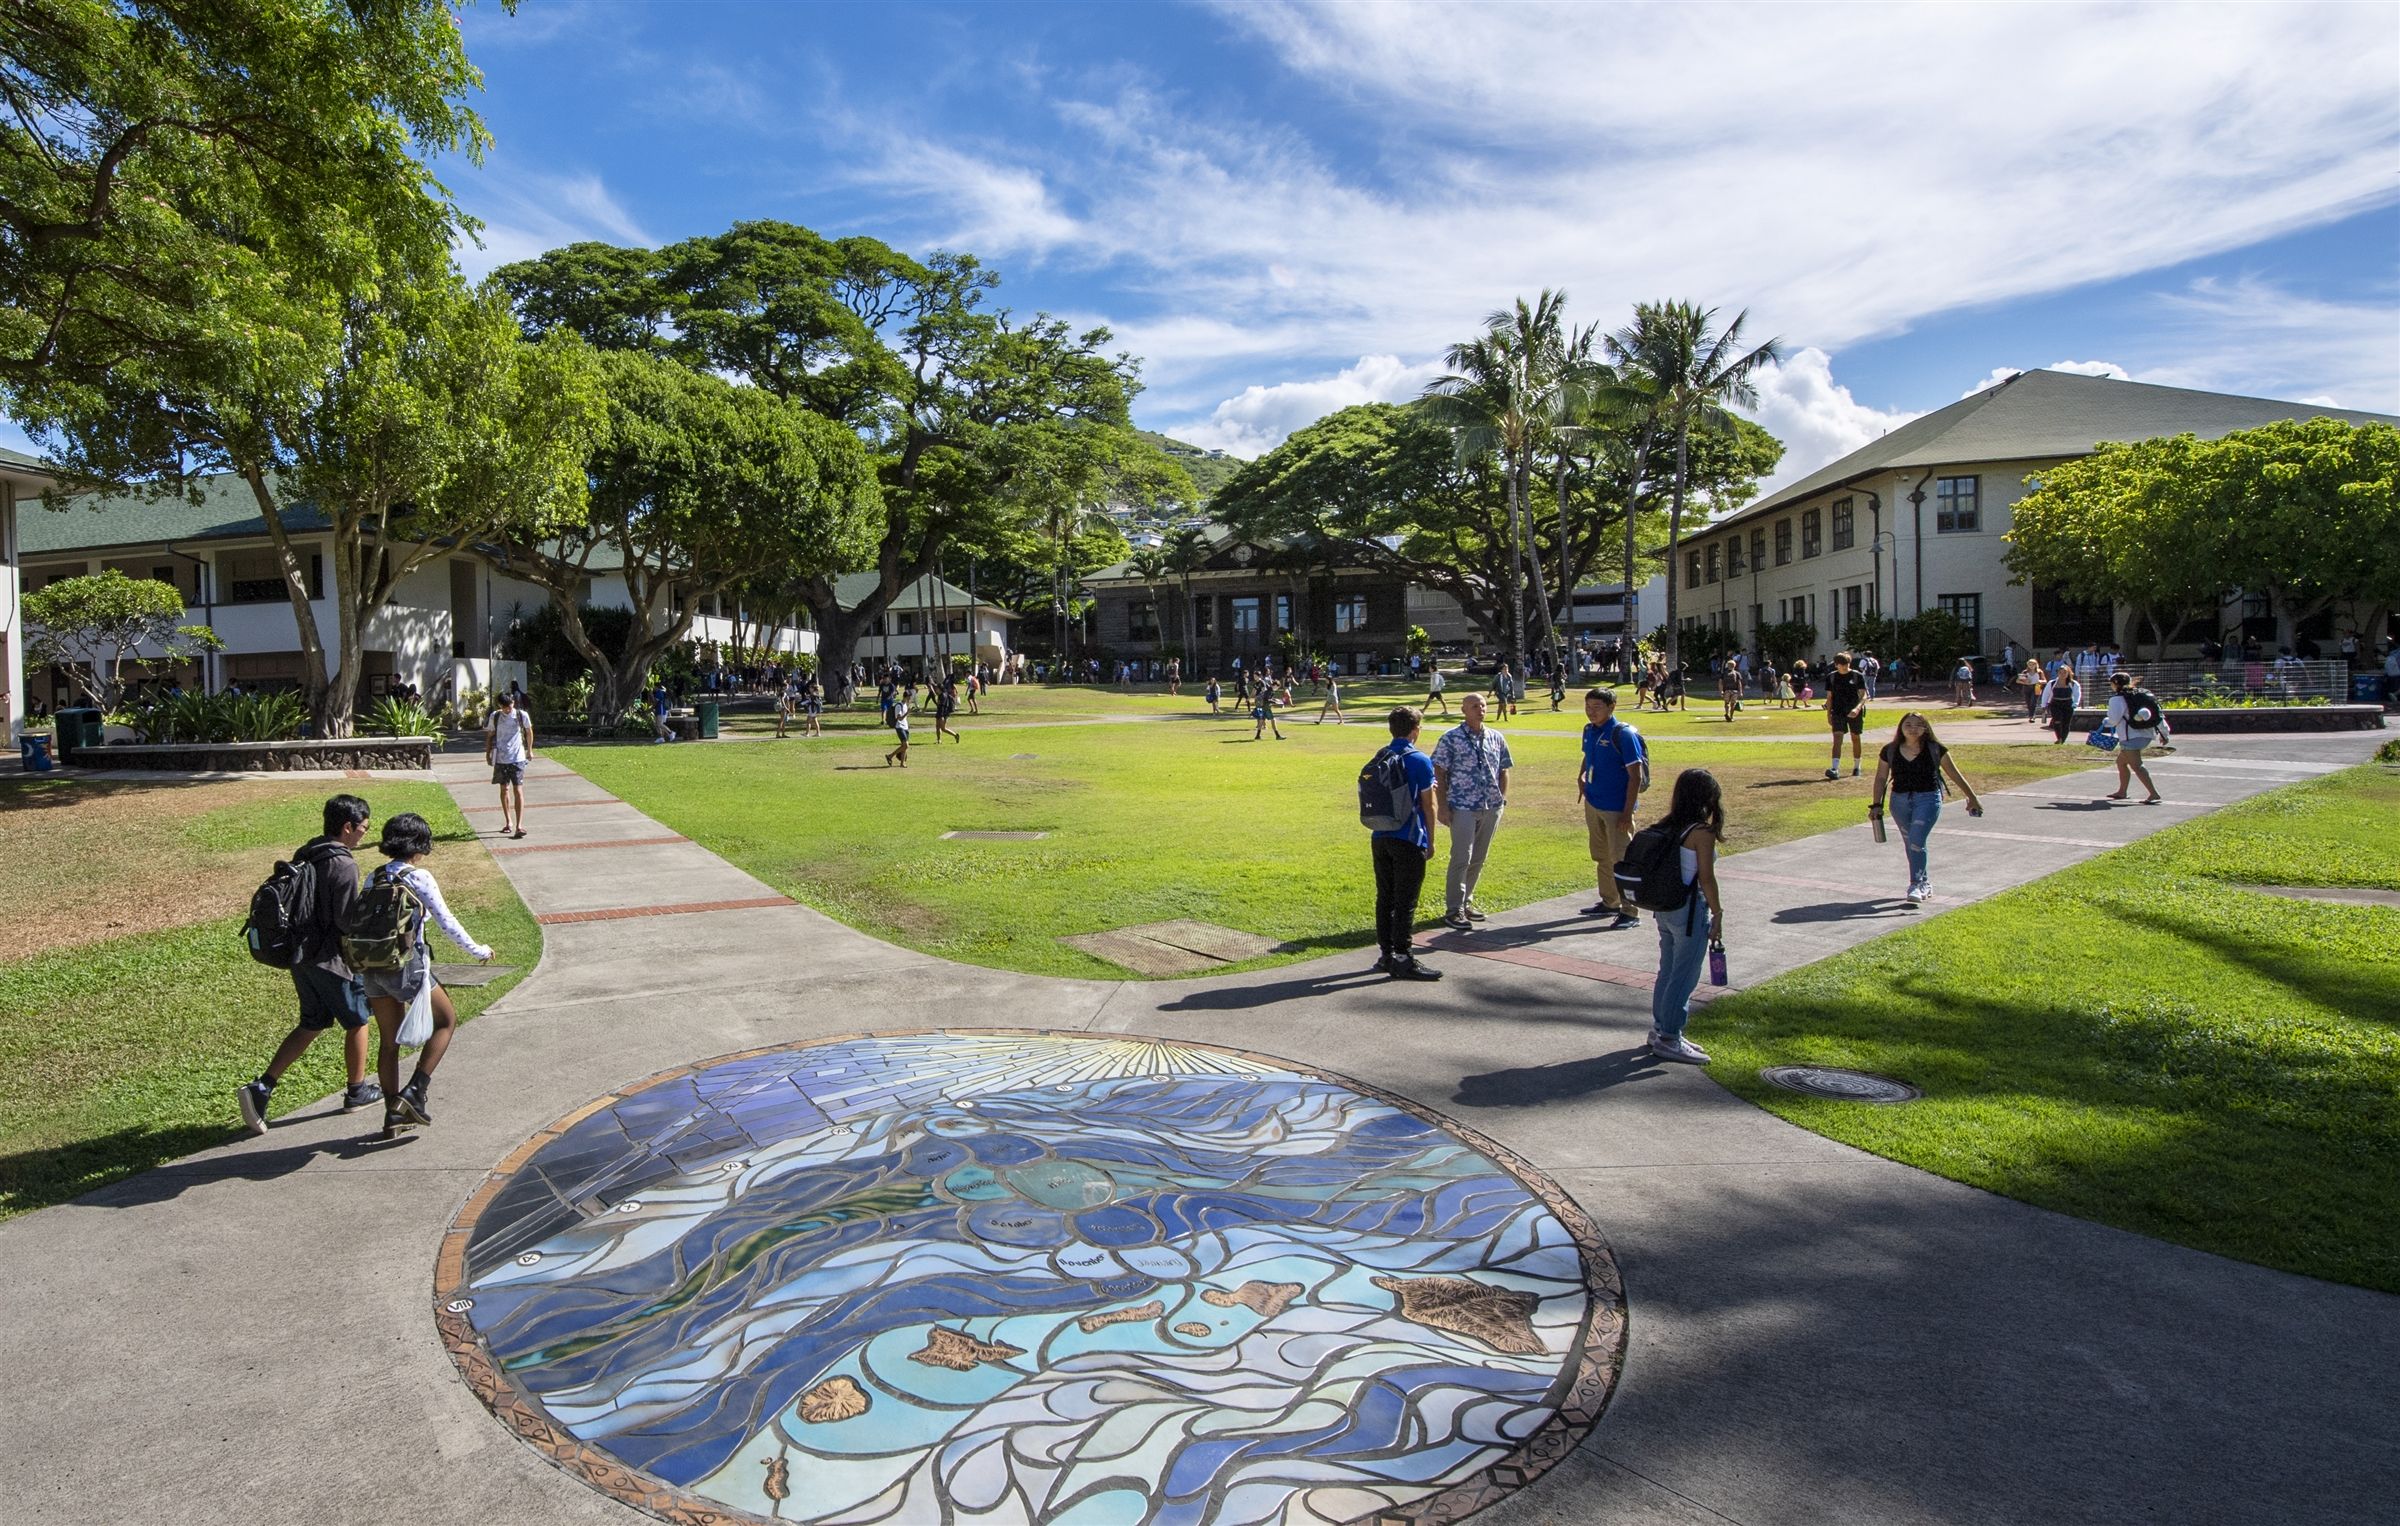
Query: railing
{"points": [[2235, 681]]}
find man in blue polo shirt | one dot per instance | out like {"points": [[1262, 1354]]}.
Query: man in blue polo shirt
{"points": [[1400, 857], [1610, 787]]}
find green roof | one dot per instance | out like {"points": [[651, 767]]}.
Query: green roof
{"points": [[2041, 415], [851, 588], [22, 461], [97, 521]]}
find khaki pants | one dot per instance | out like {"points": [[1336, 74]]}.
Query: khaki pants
{"points": [[1608, 841], [1470, 839]]}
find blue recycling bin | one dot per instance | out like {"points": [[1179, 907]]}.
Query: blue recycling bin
{"points": [[35, 750], [2366, 688]]}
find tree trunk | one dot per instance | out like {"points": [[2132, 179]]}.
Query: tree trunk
{"points": [[315, 691], [1626, 604], [1675, 535], [1516, 578], [1566, 576], [1533, 565]]}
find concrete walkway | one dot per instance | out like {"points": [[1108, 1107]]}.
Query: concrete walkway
{"points": [[1817, 1335]]}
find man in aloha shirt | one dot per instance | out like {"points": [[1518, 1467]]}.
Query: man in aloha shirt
{"points": [[1470, 765]]}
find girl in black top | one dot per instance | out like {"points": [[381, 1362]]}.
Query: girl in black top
{"points": [[1911, 768]]}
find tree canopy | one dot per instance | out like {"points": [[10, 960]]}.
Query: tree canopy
{"points": [[92, 626]]}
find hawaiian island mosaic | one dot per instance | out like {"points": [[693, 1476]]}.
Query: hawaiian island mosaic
{"points": [[979, 1277]]}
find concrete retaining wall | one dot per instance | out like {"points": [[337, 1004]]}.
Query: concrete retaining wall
{"points": [[331, 755]]}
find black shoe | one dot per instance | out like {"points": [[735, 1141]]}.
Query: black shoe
{"points": [[412, 1101], [359, 1095], [395, 1120], [1411, 970], [1625, 919], [1458, 921], [253, 1098]]}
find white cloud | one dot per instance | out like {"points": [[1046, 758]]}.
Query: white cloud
{"points": [[526, 213], [1256, 421], [1640, 152], [1817, 419], [2255, 336], [1999, 374]]}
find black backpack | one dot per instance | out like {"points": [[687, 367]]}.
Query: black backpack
{"points": [[282, 930], [1651, 873], [1386, 802], [2141, 709]]}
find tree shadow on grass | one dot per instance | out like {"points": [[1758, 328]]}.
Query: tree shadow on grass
{"points": [[41, 792]]}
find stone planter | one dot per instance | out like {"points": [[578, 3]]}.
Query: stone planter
{"points": [[329, 755]]}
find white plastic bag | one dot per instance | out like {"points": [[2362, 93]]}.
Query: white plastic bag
{"points": [[417, 1027]]}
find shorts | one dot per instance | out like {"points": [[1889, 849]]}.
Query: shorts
{"points": [[2133, 741], [508, 773], [1855, 724], [327, 999], [400, 985]]}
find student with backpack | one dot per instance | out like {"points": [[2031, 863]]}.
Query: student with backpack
{"points": [[383, 939], [1215, 694], [1262, 711], [1846, 712], [896, 716], [1616, 769], [295, 924], [507, 749], [1397, 801], [1912, 767], [2137, 718], [1670, 868]]}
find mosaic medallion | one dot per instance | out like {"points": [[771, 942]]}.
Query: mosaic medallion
{"points": [[991, 1276], [1840, 1085]]}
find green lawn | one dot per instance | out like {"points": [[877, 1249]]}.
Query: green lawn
{"points": [[121, 1051], [2138, 1041], [1151, 821]]}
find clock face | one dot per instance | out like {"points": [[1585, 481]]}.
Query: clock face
{"points": [[1242, 554]]}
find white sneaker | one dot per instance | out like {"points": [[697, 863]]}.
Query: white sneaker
{"points": [[1916, 893], [1681, 1050]]}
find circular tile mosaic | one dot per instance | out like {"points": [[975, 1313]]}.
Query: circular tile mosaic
{"points": [[992, 1276], [1841, 1085]]}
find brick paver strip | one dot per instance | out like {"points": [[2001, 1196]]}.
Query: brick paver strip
{"points": [[578, 847], [620, 913]]}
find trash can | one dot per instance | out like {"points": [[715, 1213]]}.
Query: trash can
{"points": [[77, 728], [2366, 688], [35, 749], [707, 712]]}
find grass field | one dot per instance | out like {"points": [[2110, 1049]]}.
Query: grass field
{"points": [[2138, 1040], [1152, 820], [129, 1010]]}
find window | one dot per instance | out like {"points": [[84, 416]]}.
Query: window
{"points": [[1204, 617], [1283, 611], [253, 577], [1712, 561], [1854, 604], [1758, 550], [1956, 506], [908, 622], [1783, 541], [1350, 612], [1733, 557], [1142, 620], [1845, 524], [1812, 532], [1245, 617], [1968, 607]]}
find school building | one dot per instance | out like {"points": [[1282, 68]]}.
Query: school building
{"points": [[1917, 519]]}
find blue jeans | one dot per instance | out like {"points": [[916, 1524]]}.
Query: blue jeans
{"points": [[1914, 813], [1681, 955]]}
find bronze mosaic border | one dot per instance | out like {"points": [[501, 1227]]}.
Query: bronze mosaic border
{"points": [[1578, 1398]]}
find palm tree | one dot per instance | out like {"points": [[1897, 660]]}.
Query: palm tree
{"points": [[1691, 373], [1187, 553], [1499, 396], [1063, 518], [1151, 567]]}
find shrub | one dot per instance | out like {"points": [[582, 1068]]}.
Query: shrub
{"points": [[2389, 752], [393, 717]]}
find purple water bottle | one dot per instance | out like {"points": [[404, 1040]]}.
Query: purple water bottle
{"points": [[1716, 964]]}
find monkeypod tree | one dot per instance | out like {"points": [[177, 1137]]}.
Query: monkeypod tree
{"points": [[90, 627], [698, 485]]}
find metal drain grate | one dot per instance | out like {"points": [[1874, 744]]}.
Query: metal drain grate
{"points": [[994, 836], [1841, 1085]]}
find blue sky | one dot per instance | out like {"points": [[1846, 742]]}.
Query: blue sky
{"points": [[1284, 207]]}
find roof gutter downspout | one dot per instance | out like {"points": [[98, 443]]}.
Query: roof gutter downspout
{"points": [[1916, 530], [209, 673]]}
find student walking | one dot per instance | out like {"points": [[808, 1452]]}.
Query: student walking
{"points": [[1870, 670], [1912, 766], [787, 703], [329, 993], [2029, 678], [1609, 787], [404, 891], [1729, 688], [1401, 852], [1558, 684], [898, 716], [2137, 718], [1695, 822], [1470, 769], [1333, 701], [507, 749], [2061, 698], [1504, 691], [659, 704], [945, 705], [1216, 696], [1962, 682], [1845, 712], [1262, 711], [812, 704], [1434, 685]]}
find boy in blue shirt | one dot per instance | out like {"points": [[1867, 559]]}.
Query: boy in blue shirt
{"points": [[1610, 787], [1400, 857]]}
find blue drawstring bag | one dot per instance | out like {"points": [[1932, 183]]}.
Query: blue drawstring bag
{"points": [[2103, 738]]}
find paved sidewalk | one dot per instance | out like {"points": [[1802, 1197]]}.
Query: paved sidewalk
{"points": [[1817, 1335]]}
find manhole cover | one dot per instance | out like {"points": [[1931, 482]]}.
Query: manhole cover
{"points": [[994, 836], [939, 1244], [1841, 1085], [1023, 757]]}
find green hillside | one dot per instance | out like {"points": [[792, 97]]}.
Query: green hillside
{"points": [[1208, 473]]}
